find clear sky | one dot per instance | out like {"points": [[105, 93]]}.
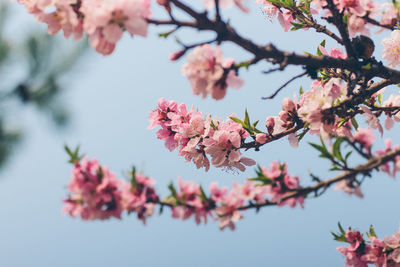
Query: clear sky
{"points": [[109, 99]]}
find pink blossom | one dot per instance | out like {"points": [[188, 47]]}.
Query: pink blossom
{"points": [[354, 252], [372, 120], [375, 253], [218, 194], [365, 137], [282, 183], [261, 138], [63, 18], [335, 52], [190, 202], [140, 196], [357, 25], [95, 192], [105, 21], [389, 16], [391, 48], [321, 97], [270, 10], [198, 137], [349, 187], [285, 18], [392, 101], [228, 212], [224, 143], [206, 69]]}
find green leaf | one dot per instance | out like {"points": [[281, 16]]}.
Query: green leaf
{"points": [[348, 155], [133, 177], [371, 232], [245, 64], [301, 135], [336, 149], [367, 66], [165, 34], [203, 195], [324, 151], [277, 2], [301, 90], [319, 53], [236, 120], [380, 99], [73, 155], [246, 119], [342, 121], [339, 238], [99, 174], [297, 26], [354, 122], [172, 190], [213, 125], [342, 231], [345, 18]]}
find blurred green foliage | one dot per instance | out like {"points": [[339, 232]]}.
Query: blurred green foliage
{"points": [[44, 62]]}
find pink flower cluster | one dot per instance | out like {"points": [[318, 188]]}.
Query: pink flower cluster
{"points": [[97, 194], [103, 20], [279, 124], [365, 138], [210, 73], [310, 110], [281, 184], [190, 200], [198, 138], [355, 10], [362, 252], [321, 97], [272, 11]]}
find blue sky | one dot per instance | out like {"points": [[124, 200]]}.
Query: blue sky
{"points": [[109, 99]]}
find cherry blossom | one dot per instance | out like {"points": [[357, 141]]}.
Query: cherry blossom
{"points": [[391, 48], [209, 72]]}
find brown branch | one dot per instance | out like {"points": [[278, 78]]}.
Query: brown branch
{"points": [[272, 138], [226, 33], [361, 169], [284, 85], [357, 99], [367, 167], [342, 110], [385, 109], [359, 151], [376, 23], [323, 29], [337, 20]]}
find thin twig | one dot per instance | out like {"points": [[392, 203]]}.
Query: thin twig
{"points": [[284, 85]]}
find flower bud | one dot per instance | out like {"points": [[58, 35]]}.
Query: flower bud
{"points": [[288, 104], [261, 138], [163, 2], [270, 124], [176, 55]]}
